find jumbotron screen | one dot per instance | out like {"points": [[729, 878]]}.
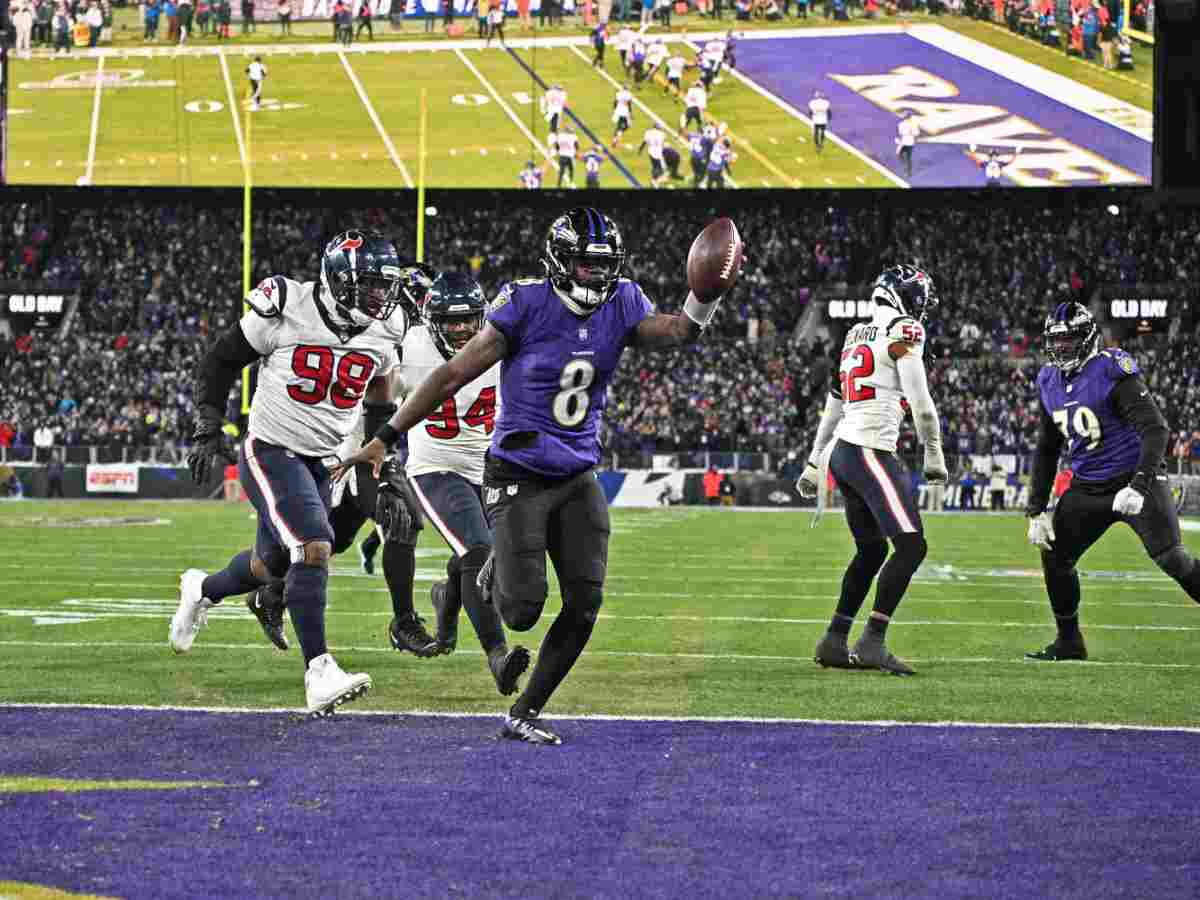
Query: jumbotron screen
{"points": [[382, 93]]}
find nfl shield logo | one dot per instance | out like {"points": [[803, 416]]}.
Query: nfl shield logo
{"points": [[583, 334], [492, 496]]}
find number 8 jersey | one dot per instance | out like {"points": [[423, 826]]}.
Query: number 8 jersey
{"points": [[869, 383], [315, 368], [555, 377]]}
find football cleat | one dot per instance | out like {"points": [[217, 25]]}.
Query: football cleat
{"points": [[832, 652], [409, 634], [874, 654], [507, 666], [192, 613], [531, 730], [327, 687], [365, 559], [267, 605], [486, 575], [447, 618], [1060, 650]]}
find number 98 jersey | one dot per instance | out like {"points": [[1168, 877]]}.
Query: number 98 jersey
{"points": [[315, 368], [868, 382]]}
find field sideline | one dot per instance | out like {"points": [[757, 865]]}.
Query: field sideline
{"points": [[333, 117]]}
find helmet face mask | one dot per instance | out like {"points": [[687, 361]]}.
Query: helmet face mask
{"points": [[584, 258], [454, 309], [361, 271], [1070, 336], [907, 290]]}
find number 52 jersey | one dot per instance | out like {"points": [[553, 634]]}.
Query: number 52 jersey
{"points": [[556, 375], [315, 369], [869, 383]]}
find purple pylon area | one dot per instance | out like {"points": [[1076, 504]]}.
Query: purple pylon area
{"points": [[432, 806]]}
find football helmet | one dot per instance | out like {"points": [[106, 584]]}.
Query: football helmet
{"points": [[360, 271], [585, 254], [1071, 336], [905, 289], [454, 309]]}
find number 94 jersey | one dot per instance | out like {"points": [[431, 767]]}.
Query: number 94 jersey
{"points": [[455, 437], [1100, 444], [315, 369], [869, 383]]}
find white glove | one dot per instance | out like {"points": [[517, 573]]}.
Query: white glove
{"points": [[1128, 502], [935, 464], [809, 482], [1041, 531]]}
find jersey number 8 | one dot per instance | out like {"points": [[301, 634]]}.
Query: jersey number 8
{"points": [[571, 403], [1085, 425]]}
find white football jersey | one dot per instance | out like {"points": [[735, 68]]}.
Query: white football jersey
{"points": [[623, 102], [655, 139], [314, 371], [675, 67], [624, 38], [456, 436], [568, 143], [656, 54], [818, 107], [714, 51], [554, 101], [872, 397], [696, 96]]}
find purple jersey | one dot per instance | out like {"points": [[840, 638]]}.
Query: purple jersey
{"points": [[1100, 445], [555, 378]]}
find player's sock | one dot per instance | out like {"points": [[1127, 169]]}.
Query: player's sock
{"points": [[898, 571], [1062, 585], [370, 543], [560, 648], [484, 617], [857, 581], [235, 578], [399, 567], [1183, 568], [304, 593], [840, 624], [877, 626]]}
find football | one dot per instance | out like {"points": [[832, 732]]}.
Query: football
{"points": [[715, 260]]}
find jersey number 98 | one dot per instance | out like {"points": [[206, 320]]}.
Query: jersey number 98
{"points": [[316, 364]]}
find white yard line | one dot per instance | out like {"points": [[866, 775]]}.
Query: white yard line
{"points": [[366, 101], [487, 85], [91, 158], [671, 132], [234, 110], [791, 110]]}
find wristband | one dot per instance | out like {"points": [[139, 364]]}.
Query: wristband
{"points": [[388, 435], [698, 312]]}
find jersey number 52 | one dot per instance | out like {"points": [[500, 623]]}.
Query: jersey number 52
{"points": [[864, 367]]}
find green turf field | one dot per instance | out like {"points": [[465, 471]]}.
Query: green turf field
{"points": [[147, 115], [707, 612]]}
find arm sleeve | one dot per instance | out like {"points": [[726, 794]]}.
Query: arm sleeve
{"points": [[830, 417], [221, 367], [1132, 401], [916, 390], [1045, 462]]}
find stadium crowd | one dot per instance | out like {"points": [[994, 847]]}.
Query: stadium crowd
{"points": [[159, 281]]}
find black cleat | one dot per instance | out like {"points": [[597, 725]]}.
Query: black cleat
{"points": [[409, 634], [267, 605], [447, 618], [486, 575], [507, 666], [874, 654], [530, 730], [366, 560], [1060, 650], [832, 652]]}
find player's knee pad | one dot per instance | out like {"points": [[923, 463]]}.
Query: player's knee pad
{"points": [[317, 553], [1176, 562], [911, 548], [275, 561], [870, 555], [583, 599]]}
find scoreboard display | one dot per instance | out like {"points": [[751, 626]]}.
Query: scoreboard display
{"points": [[1144, 309]]}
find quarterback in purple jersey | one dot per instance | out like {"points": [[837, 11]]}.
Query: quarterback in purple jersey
{"points": [[558, 339], [1096, 407]]}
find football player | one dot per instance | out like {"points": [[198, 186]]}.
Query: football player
{"points": [[567, 147], [553, 103], [654, 142], [592, 160], [881, 368], [558, 339], [1096, 407], [622, 115], [327, 349]]}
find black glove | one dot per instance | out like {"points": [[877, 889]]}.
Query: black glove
{"points": [[208, 443]]}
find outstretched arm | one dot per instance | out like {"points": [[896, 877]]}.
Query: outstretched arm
{"points": [[662, 330]]}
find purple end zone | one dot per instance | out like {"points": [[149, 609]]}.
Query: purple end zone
{"points": [[421, 806], [792, 68]]}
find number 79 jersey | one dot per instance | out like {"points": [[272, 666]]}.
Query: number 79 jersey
{"points": [[872, 397], [455, 437], [313, 374]]}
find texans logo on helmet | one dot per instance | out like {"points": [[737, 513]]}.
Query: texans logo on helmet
{"points": [[351, 243]]}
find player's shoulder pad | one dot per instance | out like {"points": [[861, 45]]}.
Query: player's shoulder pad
{"points": [[269, 298], [1118, 363], [905, 329]]}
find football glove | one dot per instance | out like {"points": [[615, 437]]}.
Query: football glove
{"points": [[1129, 501], [809, 482], [1041, 530], [208, 443], [935, 464]]}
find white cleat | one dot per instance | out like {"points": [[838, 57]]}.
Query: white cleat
{"points": [[327, 687], [192, 613]]}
